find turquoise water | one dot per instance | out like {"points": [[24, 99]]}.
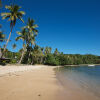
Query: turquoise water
{"points": [[88, 78]]}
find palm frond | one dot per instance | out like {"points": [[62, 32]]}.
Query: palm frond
{"points": [[35, 26], [19, 33], [22, 12], [8, 7], [21, 19], [19, 38], [13, 14]]}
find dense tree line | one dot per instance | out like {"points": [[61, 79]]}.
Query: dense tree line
{"points": [[40, 55]]}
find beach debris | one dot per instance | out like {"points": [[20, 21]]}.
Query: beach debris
{"points": [[39, 95]]}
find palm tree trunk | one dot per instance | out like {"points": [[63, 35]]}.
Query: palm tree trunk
{"points": [[22, 55], [6, 43], [32, 61], [29, 53], [0, 52]]}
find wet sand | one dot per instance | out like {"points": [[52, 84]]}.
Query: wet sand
{"points": [[73, 91], [37, 83]]}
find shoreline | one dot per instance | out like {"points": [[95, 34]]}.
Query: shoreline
{"points": [[82, 65], [41, 83], [72, 88]]}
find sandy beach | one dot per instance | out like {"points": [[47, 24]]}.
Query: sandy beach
{"points": [[36, 83], [28, 83]]}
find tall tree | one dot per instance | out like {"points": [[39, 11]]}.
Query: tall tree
{"points": [[12, 16], [23, 35], [37, 55], [47, 50], [31, 26], [32, 32], [2, 38], [56, 52]]}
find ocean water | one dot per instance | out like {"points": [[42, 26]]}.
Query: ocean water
{"points": [[87, 78]]}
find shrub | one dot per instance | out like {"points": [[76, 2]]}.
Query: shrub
{"points": [[51, 60]]}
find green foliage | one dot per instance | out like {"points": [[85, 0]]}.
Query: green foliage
{"points": [[37, 56], [66, 59], [51, 60], [13, 61], [13, 14], [47, 50], [56, 52], [2, 36], [28, 34]]}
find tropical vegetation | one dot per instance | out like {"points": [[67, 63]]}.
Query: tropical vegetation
{"points": [[12, 15]]}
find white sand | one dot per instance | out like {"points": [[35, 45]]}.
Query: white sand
{"points": [[13, 69]]}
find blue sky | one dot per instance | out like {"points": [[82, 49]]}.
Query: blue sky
{"points": [[72, 26]]}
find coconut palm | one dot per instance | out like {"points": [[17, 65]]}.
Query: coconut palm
{"points": [[31, 27], [56, 52], [2, 38], [28, 34], [23, 35], [12, 16], [37, 55], [47, 50], [32, 32]]}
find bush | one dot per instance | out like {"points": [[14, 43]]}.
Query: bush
{"points": [[13, 61], [51, 60]]}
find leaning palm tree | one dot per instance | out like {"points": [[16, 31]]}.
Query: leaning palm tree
{"points": [[23, 35], [12, 16]]}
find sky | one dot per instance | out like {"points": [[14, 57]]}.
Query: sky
{"points": [[72, 26]]}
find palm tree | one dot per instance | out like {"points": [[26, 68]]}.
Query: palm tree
{"points": [[47, 50], [28, 35], [12, 16], [37, 55], [13, 46], [23, 35], [56, 52], [32, 32], [2, 38], [31, 27]]}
